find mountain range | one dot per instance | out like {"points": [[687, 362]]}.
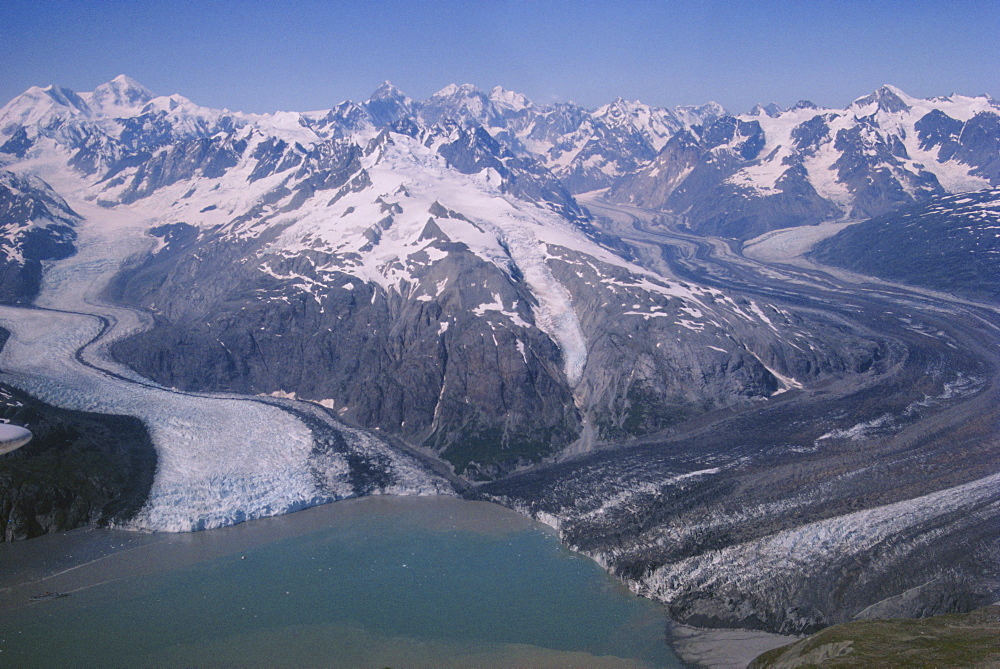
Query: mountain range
{"points": [[414, 265], [546, 306]]}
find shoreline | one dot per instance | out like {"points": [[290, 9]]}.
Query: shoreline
{"points": [[721, 648], [712, 648]]}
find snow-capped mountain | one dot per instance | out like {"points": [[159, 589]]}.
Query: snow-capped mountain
{"points": [[751, 444], [409, 274], [745, 175], [592, 150], [35, 225], [586, 150], [949, 243]]}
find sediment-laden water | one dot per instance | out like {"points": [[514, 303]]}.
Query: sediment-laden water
{"points": [[381, 581]]}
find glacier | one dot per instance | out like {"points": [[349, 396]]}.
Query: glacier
{"points": [[221, 459]]}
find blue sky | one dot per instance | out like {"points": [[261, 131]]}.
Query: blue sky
{"points": [[265, 56]]}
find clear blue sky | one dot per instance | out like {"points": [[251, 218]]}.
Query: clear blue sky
{"points": [[265, 56]]}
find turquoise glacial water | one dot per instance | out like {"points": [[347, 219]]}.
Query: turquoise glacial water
{"points": [[376, 582]]}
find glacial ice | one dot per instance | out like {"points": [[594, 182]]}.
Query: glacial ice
{"points": [[221, 459], [760, 564]]}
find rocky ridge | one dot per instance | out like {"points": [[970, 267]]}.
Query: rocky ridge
{"points": [[948, 243], [744, 175]]}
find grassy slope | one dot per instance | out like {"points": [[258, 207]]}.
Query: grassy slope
{"points": [[953, 640]]}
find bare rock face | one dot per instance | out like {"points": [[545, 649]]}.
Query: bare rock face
{"points": [[429, 371], [35, 225]]}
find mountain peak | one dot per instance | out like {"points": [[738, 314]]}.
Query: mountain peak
{"points": [[387, 104], [888, 98], [123, 93], [509, 99], [889, 89], [387, 91], [620, 110], [40, 105], [622, 103], [125, 81], [452, 89], [771, 109], [703, 115]]}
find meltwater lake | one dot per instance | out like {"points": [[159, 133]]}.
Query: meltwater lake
{"points": [[372, 582]]}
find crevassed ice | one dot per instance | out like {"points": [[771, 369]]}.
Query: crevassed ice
{"points": [[811, 548], [221, 460], [555, 314]]}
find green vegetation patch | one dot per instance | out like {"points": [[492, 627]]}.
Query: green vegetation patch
{"points": [[953, 640], [491, 451], [643, 412]]}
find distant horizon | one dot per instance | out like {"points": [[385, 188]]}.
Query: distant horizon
{"points": [[487, 90], [310, 55]]}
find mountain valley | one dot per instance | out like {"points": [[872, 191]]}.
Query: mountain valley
{"points": [[543, 306]]}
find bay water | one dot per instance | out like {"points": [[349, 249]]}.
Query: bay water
{"points": [[372, 582]]}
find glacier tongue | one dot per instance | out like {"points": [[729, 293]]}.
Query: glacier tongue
{"points": [[221, 459], [555, 314]]}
